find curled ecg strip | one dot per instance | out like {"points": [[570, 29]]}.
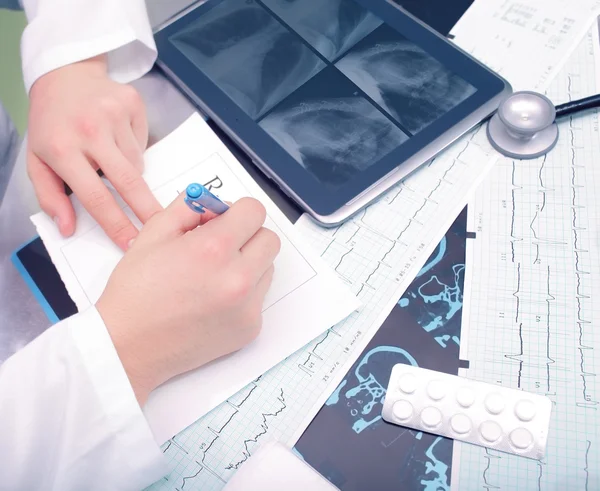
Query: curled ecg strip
{"points": [[535, 283]]}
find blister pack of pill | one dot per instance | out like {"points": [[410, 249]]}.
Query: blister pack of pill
{"points": [[475, 412]]}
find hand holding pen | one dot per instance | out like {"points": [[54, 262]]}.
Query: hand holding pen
{"points": [[190, 289]]}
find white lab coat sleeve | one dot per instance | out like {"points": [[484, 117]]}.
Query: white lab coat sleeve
{"points": [[61, 32], [69, 419]]}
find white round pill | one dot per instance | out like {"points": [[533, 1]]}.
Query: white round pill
{"points": [[436, 390], [494, 403], [525, 410], [460, 423], [408, 383], [431, 417], [490, 431], [521, 438], [402, 410], [465, 397]]}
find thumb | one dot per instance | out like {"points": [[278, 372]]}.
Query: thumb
{"points": [[174, 221]]}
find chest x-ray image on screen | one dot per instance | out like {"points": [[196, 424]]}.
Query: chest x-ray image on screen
{"points": [[330, 129], [411, 85], [331, 26], [248, 54]]}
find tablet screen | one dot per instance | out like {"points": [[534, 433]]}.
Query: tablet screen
{"points": [[328, 97], [332, 84]]}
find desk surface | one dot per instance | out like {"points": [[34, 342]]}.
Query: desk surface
{"points": [[21, 318]]}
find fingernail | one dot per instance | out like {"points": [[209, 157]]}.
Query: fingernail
{"points": [[130, 243]]}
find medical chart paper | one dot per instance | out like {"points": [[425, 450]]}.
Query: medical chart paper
{"points": [[528, 41], [377, 254], [532, 290], [304, 300]]}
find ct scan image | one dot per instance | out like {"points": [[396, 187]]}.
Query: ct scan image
{"points": [[404, 80], [248, 54], [331, 130], [331, 26]]}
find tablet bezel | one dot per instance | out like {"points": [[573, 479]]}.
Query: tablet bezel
{"points": [[319, 199]]}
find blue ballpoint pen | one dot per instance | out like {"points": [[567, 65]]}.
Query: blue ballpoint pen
{"points": [[199, 199]]}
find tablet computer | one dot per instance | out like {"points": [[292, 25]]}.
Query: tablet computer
{"points": [[335, 100], [35, 266]]}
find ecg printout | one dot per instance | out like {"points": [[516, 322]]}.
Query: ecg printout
{"points": [[524, 40], [532, 302], [377, 254]]}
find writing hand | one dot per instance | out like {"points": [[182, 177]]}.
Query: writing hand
{"points": [[188, 291]]}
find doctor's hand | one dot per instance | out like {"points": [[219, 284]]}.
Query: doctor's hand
{"points": [[79, 121], [188, 291]]}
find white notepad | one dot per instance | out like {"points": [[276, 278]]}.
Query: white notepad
{"points": [[305, 299]]}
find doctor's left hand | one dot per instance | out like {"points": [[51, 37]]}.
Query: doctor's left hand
{"points": [[80, 121]]}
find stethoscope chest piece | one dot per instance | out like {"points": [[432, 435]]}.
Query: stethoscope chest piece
{"points": [[524, 126]]}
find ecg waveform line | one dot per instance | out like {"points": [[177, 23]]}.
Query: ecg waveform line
{"points": [[215, 432], [518, 357], [549, 360], [264, 428], [490, 456]]}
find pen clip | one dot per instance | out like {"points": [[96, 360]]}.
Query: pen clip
{"points": [[194, 205]]}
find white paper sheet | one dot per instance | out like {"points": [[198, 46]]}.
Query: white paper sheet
{"points": [[305, 299]]}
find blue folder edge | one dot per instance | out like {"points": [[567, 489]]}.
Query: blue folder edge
{"points": [[32, 285]]}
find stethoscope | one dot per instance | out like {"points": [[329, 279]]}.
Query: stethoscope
{"points": [[524, 126]]}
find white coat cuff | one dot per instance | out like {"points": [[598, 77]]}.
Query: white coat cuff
{"points": [[128, 57], [108, 377], [122, 31]]}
